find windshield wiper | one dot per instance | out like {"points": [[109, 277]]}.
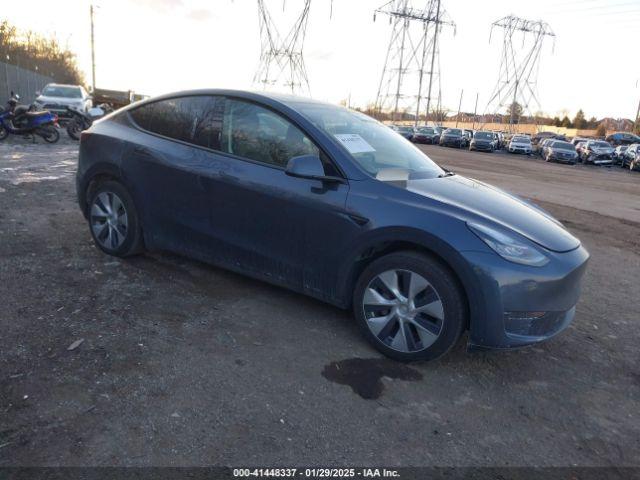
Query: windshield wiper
{"points": [[447, 173]]}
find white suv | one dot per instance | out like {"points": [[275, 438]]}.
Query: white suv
{"points": [[56, 98], [520, 144]]}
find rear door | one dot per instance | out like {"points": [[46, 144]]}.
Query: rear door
{"points": [[165, 169]]}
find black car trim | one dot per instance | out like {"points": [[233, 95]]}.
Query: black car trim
{"points": [[226, 154]]}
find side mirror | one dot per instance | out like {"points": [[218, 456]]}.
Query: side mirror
{"points": [[309, 166]]}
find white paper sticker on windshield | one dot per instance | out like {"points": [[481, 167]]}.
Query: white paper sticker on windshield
{"points": [[354, 143]]}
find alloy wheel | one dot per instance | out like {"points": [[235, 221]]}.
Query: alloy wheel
{"points": [[403, 310], [109, 220]]}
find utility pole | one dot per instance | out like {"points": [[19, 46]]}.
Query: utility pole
{"points": [[637, 119], [459, 105], [424, 53], [93, 53], [475, 110], [433, 56]]}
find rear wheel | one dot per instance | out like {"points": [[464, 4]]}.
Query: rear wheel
{"points": [[3, 133], [49, 133], [74, 127], [409, 306], [114, 221]]}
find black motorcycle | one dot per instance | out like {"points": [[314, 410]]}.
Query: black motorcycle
{"points": [[81, 121]]}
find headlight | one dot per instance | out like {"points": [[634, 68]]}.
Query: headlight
{"points": [[509, 247]]}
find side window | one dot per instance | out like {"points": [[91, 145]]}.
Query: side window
{"points": [[196, 119], [256, 133]]}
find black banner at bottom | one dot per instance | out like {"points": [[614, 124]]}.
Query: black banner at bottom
{"points": [[405, 473]]}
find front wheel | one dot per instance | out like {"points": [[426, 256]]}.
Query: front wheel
{"points": [[3, 133], [409, 306]]}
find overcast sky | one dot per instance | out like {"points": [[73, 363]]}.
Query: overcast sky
{"points": [[155, 46]]}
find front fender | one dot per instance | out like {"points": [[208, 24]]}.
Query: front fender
{"points": [[380, 239]]}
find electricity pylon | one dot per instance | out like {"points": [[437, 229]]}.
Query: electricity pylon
{"points": [[519, 65], [281, 60], [411, 55]]}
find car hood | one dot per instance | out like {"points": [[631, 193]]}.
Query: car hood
{"points": [[498, 206]]}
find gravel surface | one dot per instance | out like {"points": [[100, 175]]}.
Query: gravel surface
{"points": [[183, 364]]}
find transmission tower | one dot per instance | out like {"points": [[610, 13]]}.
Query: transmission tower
{"points": [[281, 60], [519, 65], [412, 55]]}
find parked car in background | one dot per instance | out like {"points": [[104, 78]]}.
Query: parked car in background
{"points": [[579, 147], [426, 135], [597, 152], [418, 254], [56, 97], [520, 144], [452, 137], [468, 136], [438, 129], [540, 150], [630, 155], [622, 138], [635, 162], [538, 138], [618, 153], [560, 151], [404, 130], [577, 140], [482, 141], [496, 141]]}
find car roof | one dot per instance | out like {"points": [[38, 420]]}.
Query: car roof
{"points": [[268, 98]]}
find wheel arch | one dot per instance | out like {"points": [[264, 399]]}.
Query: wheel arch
{"points": [[392, 240], [96, 174]]}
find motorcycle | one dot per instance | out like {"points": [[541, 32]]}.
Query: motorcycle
{"points": [[81, 121], [24, 120]]}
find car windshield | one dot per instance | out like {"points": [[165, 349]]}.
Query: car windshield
{"points": [[453, 131], [64, 92], [563, 146], [601, 145], [483, 136], [379, 151], [425, 130], [521, 140]]}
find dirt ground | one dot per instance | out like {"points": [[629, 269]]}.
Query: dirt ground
{"points": [[183, 364]]}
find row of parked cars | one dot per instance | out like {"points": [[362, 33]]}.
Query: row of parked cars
{"points": [[619, 148], [611, 151]]}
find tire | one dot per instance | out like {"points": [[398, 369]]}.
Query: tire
{"points": [[428, 335], [49, 134], [73, 129], [113, 220]]}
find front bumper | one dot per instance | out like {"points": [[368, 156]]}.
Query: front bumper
{"points": [[481, 146], [563, 158], [523, 305], [519, 150], [447, 142]]}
